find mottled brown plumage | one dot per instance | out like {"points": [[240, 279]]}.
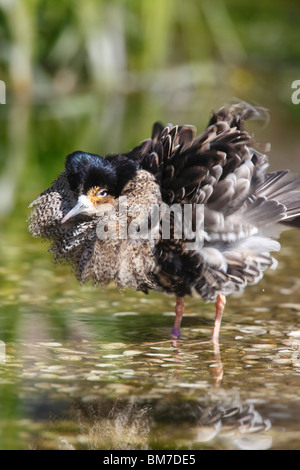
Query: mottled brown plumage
{"points": [[244, 209], [129, 262]]}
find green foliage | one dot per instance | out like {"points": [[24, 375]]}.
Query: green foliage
{"points": [[96, 74]]}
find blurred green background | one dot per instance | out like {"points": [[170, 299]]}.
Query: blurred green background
{"points": [[95, 75]]}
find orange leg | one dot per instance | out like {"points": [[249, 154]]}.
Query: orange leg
{"points": [[179, 309], [220, 304]]}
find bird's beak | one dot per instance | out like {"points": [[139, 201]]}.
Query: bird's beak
{"points": [[83, 206]]}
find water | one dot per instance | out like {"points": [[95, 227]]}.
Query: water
{"points": [[82, 368]]}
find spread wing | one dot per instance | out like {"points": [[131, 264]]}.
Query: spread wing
{"points": [[243, 205]]}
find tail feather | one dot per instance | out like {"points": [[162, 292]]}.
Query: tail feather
{"points": [[280, 188]]}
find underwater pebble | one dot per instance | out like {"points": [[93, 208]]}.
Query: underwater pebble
{"points": [[64, 300], [263, 346], [88, 398], [254, 442], [282, 361], [56, 367], [105, 364], [256, 330], [72, 351], [69, 357], [294, 334], [93, 377], [131, 352], [284, 351], [127, 372], [120, 388], [124, 314], [42, 385], [28, 375], [172, 359], [47, 376], [84, 310], [290, 306], [284, 291], [193, 385], [273, 332], [69, 377], [114, 346], [112, 356], [158, 354], [205, 331], [251, 356], [69, 389], [292, 342], [167, 365]]}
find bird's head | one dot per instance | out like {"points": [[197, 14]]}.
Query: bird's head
{"points": [[96, 180]]}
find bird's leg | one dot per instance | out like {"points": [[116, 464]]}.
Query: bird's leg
{"points": [[179, 309], [220, 304], [218, 370]]}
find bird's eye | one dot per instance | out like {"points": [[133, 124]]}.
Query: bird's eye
{"points": [[102, 193]]}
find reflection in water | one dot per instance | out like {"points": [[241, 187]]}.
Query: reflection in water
{"points": [[142, 424], [115, 415], [217, 366], [86, 393], [88, 370], [78, 397]]}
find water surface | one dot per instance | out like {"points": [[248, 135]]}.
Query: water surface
{"points": [[84, 368]]}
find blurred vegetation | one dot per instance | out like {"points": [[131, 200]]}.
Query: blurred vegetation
{"points": [[94, 75]]}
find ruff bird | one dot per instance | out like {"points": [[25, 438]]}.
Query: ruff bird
{"points": [[122, 217]]}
